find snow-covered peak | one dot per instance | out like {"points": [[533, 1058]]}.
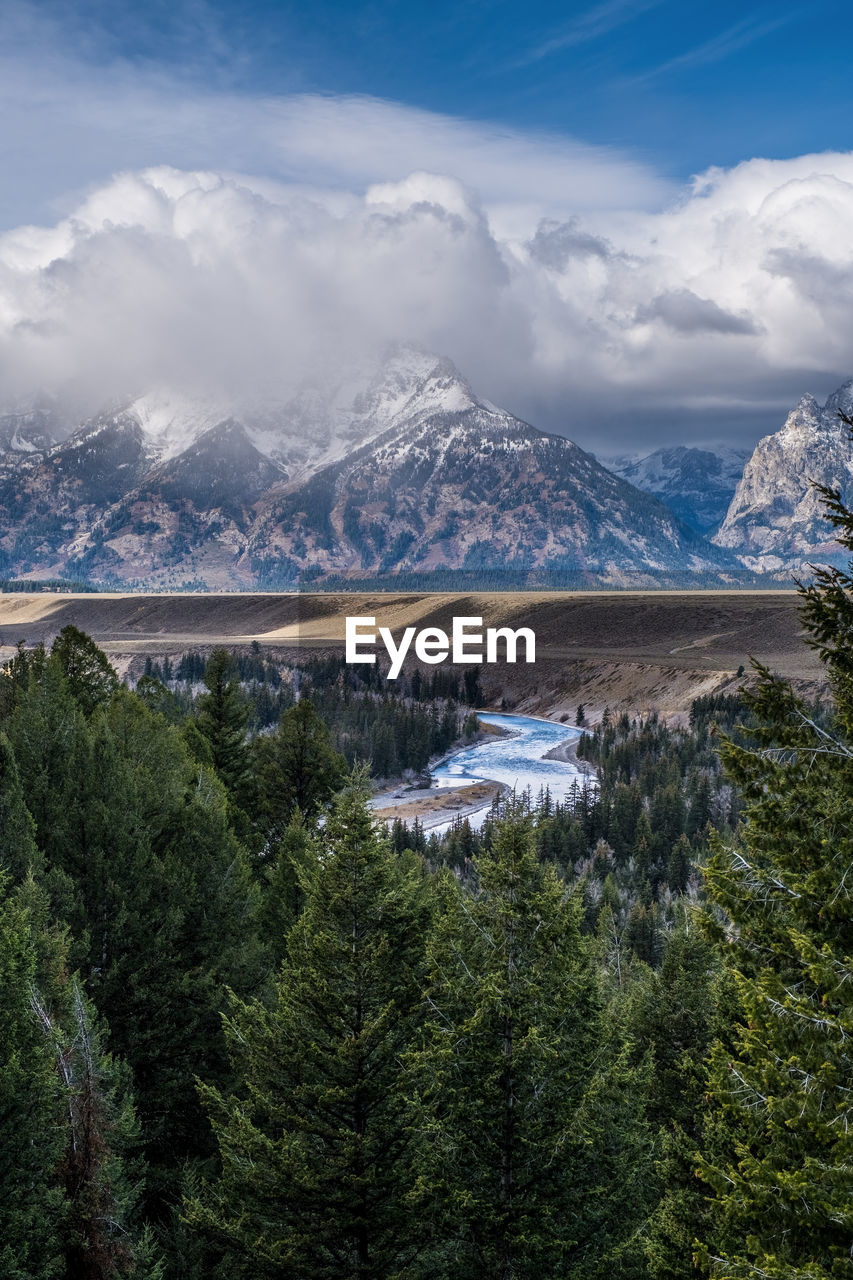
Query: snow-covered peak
{"points": [[319, 423], [413, 381], [841, 401], [697, 484], [172, 422], [804, 421], [776, 519]]}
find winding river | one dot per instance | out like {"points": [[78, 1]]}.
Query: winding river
{"points": [[516, 759]]}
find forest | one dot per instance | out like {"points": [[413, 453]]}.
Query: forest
{"points": [[247, 1032]]}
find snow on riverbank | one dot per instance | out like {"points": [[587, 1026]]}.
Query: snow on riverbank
{"points": [[522, 756]]}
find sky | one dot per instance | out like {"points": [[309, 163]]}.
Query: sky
{"points": [[630, 221]]}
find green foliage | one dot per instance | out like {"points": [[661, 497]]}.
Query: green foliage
{"points": [[19, 853], [91, 679], [532, 1141], [222, 720], [298, 771], [32, 1206], [143, 865], [783, 1164], [316, 1153]]}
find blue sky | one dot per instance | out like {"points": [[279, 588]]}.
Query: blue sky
{"points": [[630, 221], [684, 85]]}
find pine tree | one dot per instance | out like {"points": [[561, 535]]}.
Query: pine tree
{"points": [[317, 1155], [19, 853], [671, 1019], [223, 717], [530, 1168], [783, 892], [99, 1170], [101, 1238], [32, 1204], [91, 679], [283, 894], [142, 864], [298, 769]]}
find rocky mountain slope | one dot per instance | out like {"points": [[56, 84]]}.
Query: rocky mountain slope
{"points": [[457, 483], [405, 471], [775, 522], [696, 484]]}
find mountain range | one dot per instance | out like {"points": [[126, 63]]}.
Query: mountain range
{"points": [[696, 484], [403, 473]]}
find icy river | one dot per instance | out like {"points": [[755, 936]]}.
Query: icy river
{"points": [[516, 758]]}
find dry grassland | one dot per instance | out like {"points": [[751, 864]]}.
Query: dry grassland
{"points": [[631, 650]]}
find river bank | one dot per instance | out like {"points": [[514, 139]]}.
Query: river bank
{"points": [[517, 753]]}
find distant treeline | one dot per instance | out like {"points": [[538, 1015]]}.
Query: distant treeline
{"points": [[391, 729], [70, 585], [457, 580]]}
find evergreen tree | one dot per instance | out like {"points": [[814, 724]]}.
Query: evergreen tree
{"points": [[91, 679], [18, 851], [317, 1155], [32, 1204], [223, 718], [671, 1017], [283, 894], [161, 903], [531, 1164], [101, 1238], [784, 1177], [298, 769]]}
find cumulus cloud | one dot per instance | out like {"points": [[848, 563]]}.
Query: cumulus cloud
{"points": [[721, 307]]}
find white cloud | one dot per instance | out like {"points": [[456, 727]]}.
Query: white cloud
{"points": [[727, 303], [570, 282], [71, 121]]}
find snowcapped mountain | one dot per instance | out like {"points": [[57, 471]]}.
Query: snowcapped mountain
{"points": [[456, 483], [696, 484], [402, 470], [775, 521]]}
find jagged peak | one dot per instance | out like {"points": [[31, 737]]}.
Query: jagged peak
{"points": [[840, 400]]}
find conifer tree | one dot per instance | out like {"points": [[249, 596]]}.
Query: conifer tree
{"points": [[784, 898], [671, 1018], [32, 1204], [317, 1153], [298, 769], [142, 864], [531, 1162], [101, 1237], [91, 679], [99, 1170], [223, 717], [283, 895], [18, 850]]}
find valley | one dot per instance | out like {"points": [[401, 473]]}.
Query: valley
{"points": [[629, 651]]}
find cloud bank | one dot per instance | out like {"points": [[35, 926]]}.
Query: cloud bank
{"points": [[617, 327]]}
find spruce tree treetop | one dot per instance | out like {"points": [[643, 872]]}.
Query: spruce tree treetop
{"points": [[530, 1130], [317, 1152], [783, 895]]}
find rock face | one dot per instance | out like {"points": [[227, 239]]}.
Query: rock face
{"points": [[403, 471], [456, 483], [696, 484], [776, 521]]}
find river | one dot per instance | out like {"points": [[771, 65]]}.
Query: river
{"points": [[516, 758]]}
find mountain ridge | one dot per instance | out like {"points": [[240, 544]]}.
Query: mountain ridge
{"points": [[776, 522], [404, 470]]}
